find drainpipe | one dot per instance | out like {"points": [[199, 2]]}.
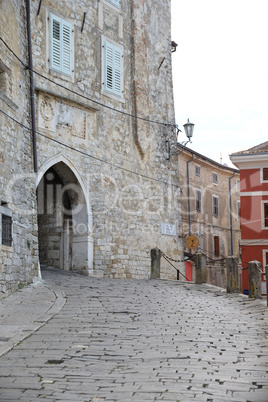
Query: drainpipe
{"points": [[188, 191], [231, 213], [28, 16]]}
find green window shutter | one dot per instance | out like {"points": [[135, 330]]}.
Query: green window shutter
{"points": [[113, 69], [60, 45]]}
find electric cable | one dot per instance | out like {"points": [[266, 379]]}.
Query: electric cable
{"points": [[86, 97], [89, 155]]}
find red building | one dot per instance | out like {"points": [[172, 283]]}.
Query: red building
{"points": [[253, 165]]}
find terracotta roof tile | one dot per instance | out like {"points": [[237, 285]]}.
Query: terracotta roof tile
{"points": [[254, 150]]}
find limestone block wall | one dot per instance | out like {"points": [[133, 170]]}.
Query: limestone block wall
{"points": [[19, 259], [109, 151]]}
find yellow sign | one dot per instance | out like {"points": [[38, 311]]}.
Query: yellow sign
{"points": [[192, 242]]}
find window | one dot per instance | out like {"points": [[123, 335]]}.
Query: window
{"points": [[6, 83], [116, 3], [215, 205], [198, 200], [215, 178], [265, 213], [6, 230], [112, 69], [216, 246], [265, 259], [3, 86], [238, 210], [265, 174], [197, 170], [5, 226], [60, 56], [238, 184]]}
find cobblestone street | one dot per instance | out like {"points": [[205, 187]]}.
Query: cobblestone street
{"points": [[131, 340]]}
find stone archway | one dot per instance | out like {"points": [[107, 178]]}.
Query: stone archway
{"points": [[64, 218]]}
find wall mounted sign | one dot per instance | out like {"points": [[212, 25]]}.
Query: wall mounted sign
{"points": [[192, 242], [168, 229]]}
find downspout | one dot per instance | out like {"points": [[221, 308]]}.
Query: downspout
{"points": [[231, 213], [28, 17], [188, 191]]}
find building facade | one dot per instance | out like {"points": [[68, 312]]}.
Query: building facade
{"points": [[210, 211], [84, 180], [253, 165]]}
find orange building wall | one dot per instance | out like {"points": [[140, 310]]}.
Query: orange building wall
{"points": [[251, 219]]}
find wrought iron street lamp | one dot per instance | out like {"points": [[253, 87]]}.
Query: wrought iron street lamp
{"points": [[172, 149]]}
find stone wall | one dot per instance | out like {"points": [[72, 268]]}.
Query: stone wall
{"points": [[18, 262], [112, 164]]}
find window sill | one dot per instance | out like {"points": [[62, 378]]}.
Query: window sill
{"points": [[111, 5], [114, 97], [6, 248], [60, 75]]}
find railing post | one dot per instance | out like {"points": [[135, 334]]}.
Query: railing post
{"points": [[232, 275], [200, 268], [155, 263], [254, 279]]}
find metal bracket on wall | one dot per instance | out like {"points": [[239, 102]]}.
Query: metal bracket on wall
{"points": [[83, 23], [39, 7]]}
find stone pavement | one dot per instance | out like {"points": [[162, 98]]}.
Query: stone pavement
{"points": [[134, 340]]}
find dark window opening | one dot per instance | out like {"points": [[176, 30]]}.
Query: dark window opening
{"points": [[215, 206], [266, 215], [197, 170], [265, 173], [6, 230], [198, 200], [216, 246]]}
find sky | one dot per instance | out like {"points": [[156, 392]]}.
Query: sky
{"points": [[220, 74]]}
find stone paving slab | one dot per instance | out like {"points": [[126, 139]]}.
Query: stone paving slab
{"points": [[25, 311], [116, 340]]}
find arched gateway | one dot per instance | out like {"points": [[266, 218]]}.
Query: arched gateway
{"points": [[64, 217]]}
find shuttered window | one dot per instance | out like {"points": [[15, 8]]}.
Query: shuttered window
{"points": [[265, 205], [114, 2], [113, 69], [215, 178], [216, 246], [215, 205], [60, 45], [198, 200]]}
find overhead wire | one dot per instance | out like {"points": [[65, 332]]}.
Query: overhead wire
{"points": [[96, 102], [83, 96], [89, 155]]}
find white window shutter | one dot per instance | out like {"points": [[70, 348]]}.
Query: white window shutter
{"points": [[66, 48], [115, 2], [118, 71], [113, 69], [60, 45], [109, 67], [55, 42]]}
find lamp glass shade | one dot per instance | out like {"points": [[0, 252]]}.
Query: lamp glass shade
{"points": [[189, 129]]}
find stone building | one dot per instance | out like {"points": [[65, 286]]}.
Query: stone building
{"points": [[84, 180], [208, 189]]}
